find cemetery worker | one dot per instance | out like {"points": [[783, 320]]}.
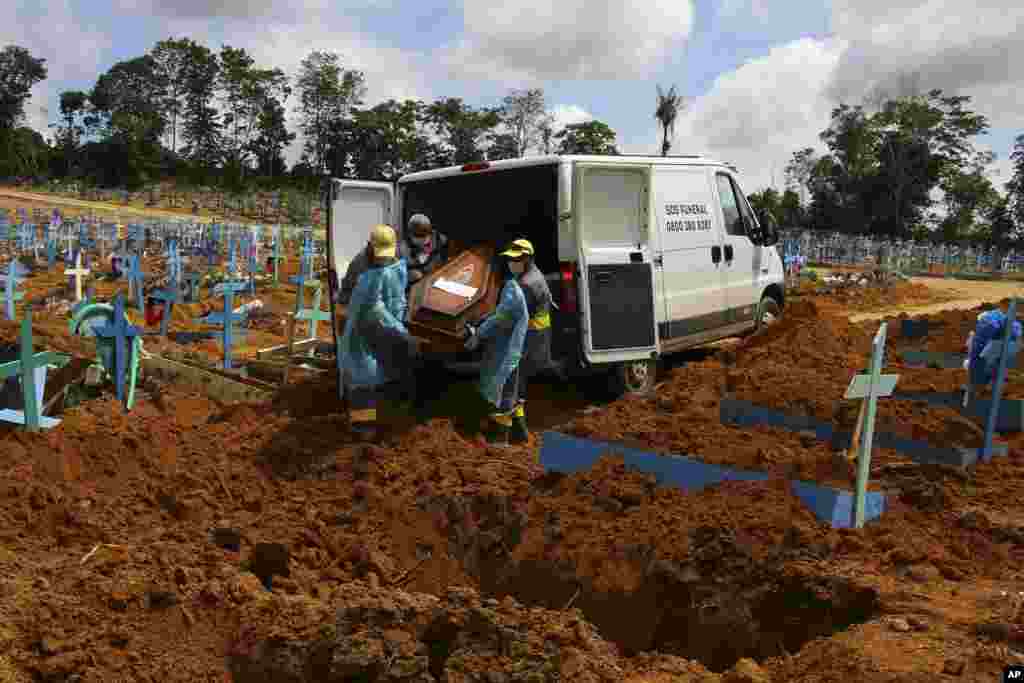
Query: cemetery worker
{"points": [[423, 248], [505, 333], [359, 265], [375, 342], [985, 345], [537, 345]]}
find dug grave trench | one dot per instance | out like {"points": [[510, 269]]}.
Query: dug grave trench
{"points": [[721, 602]]}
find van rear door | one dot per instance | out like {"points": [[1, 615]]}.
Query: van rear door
{"points": [[356, 206], [610, 211]]}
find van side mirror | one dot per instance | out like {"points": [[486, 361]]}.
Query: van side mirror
{"points": [[769, 228]]}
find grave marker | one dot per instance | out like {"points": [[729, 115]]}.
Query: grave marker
{"points": [[14, 276], [227, 318], [78, 272], [32, 369], [869, 388], [997, 391], [122, 333]]}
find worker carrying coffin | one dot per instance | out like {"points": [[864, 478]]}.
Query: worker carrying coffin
{"points": [[504, 331], [985, 344], [375, 348], [422, 248], [537, 346]]}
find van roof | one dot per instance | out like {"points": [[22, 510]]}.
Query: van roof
{"points": [[504, 164]]}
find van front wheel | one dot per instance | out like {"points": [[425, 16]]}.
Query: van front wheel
{"points": [[633, 377], [768, 312]]}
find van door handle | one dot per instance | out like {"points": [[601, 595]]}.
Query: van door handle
{"points": [[716, 254], [659, 261], [728, 252], [603, 278]]}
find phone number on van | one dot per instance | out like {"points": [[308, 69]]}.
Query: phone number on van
{"points": [[686, 225]]}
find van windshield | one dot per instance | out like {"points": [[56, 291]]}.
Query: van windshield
{"points": [[492, 208]]}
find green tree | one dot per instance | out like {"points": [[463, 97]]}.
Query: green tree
{"points": [[128, 100], [502, 146], [462, 129], [666, 111], [201, 123], [384, 142], [591, 137], [19, 71], [327, 94], [767, 200], [272, 139], [73, 105], [245, 92], [1015, 186], [171, 60], [798, 173], [25, 153], [523, 113], [791, 213]]}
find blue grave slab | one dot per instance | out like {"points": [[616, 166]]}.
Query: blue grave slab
{"points": [[568, 454], [744, 414]]}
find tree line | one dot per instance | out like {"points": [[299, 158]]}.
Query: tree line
{"points": [[907, 169], [218, 118]]}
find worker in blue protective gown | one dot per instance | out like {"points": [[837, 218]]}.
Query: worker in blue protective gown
{"points": [[985, 346], [504, 333], [537, 345], [376, 345]]}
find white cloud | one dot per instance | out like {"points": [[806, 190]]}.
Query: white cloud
{"points": [[48, 34], [284, 11], [757, 116], [533, 40], [568, 114], [964, 48]]}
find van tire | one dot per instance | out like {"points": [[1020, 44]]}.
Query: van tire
{"points": [[633, 378], [768, 311]]}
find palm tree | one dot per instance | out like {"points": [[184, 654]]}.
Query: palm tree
{"points": [[668, 108]]}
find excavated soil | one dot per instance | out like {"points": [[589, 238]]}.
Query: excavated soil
{"points": [[193, 541]]}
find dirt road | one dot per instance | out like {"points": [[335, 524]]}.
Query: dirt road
{"points": [[10, 199], [968, 294]]}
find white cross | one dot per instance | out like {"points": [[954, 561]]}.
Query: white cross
{"points": [[78, 271]]}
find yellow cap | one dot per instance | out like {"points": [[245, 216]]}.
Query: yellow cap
{"points": [[382, 239], [519, 249]]}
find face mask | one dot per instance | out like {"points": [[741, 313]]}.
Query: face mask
{"points": [[517, 267]]}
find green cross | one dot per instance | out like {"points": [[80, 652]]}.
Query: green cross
{"points": [[26, 367], [314, 314]]}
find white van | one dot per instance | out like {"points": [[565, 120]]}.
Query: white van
{"points": [[645, 255]]}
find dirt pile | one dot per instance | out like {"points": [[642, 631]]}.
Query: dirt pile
{"points": [[372, 634]]}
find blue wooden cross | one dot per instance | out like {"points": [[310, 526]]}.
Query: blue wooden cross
{"points": [[228, 317], [306, 263], [249, 249], [137, 235], [51, 252], [232, 261], [169, 295], [124, 335], [28, 366], [135, 277], [277, 256], [14, 276], [193, 286]]}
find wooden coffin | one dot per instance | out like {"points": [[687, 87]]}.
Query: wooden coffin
{"points": [[463, 290]]}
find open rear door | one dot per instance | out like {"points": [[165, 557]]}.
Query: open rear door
{"points": [[611, 211], [354, 207]]}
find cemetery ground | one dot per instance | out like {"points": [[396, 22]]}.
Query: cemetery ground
{"points": [[192, 539]]}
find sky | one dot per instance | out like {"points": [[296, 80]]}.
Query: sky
{"points": [[760, 77]]}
